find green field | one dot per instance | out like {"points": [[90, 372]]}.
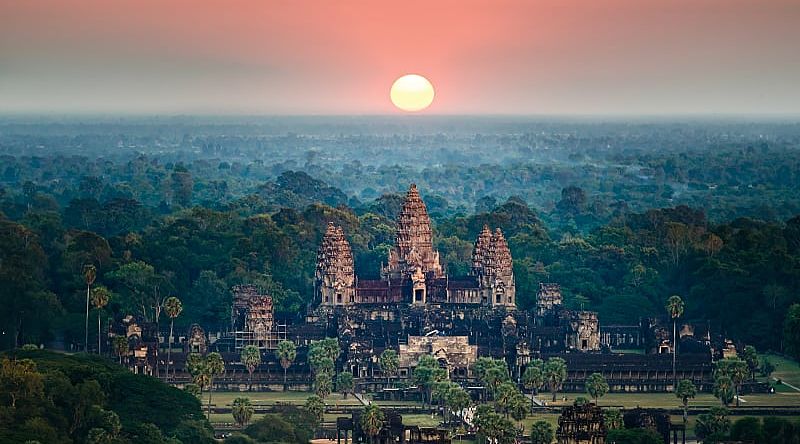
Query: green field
{"points": [[270, 398], [785, 369]]}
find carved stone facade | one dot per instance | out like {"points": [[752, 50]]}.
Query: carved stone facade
{"points": [[453, 352], [413, 248], [548, 298], [252, 319], [581, 424], [334, 274], [414, 275], [196, 341], [584, 334]]}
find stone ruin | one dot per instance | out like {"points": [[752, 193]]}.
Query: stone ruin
{"points": [[581, 424]]}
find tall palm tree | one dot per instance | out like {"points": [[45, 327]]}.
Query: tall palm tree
{"points": [[675, 310], [214, 365], [100, 297], [251, 358], [286, 353], [173, 306], [372, 421], [89, 276], [120, 344]]}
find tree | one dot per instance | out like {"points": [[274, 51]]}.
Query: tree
{"points": [[791, 331], [714, 424], [100, 298], [748, 429], [555, 373], [675, 309], [173, 307], [89, 276], [426, 374], [504, 394], [286, 354], [19, 379], [723, 389], [518, 407], [613, 419], [389, 362], [596, 386], [542, 433], [685, 391], [242, 411], [315, 406], [493, 426], [750, 356], [251, 359], [371, 421], [767, 367], [634, 436], [214, 365], [533, 379], [344, 383], [457, 400], [735, 369], [323, 384], [120, 345]]}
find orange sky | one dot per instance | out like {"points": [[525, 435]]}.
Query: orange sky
{"points": [[340, 57]]}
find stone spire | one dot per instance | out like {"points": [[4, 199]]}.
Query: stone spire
{"points": [[481, 250], [501, 255], [334, 277], [413, 242]]}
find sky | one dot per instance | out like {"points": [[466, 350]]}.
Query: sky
{"points": [[269, 57]]}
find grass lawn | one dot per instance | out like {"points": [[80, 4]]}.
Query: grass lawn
{"points": [[785, 369], [271, 398], [668, 400], [422, 420]]}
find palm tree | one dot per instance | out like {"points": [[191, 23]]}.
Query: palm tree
{"points": [[286, 353], [251, 358], [686, 390], [596, 386], [555, 373], [173, 307], [214, 365], [89, 276], [372, 421], [120, 344], [675, 310], [532, 379], [316, 407], [100, 297], [242, 411]]}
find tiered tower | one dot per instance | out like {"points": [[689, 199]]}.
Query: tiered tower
{"points": [[334, 277], [492, 264], [413, 247]]}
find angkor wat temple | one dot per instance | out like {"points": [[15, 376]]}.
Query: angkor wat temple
{"points": [[416, 308]]}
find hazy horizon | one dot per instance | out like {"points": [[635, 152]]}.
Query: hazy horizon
{"points": [[508, 58]]}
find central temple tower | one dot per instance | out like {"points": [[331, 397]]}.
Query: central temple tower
{"points": [[413, 251]]}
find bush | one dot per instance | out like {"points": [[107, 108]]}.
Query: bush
{"points": [[634, 436]]}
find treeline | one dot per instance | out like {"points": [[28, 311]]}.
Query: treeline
{"points": [[741, 275]]}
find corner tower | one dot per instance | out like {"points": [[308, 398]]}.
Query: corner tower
{"points": [[492, 265], [334, 278], [413, 248]]}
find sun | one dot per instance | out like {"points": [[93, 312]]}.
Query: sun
{"points": [[412, 92]]}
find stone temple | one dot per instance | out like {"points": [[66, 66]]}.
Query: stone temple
{"points": [[413, 274]]}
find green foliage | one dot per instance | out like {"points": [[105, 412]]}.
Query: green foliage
{"points": [[372, 420], [634, 436], [323, 385], [596, 386], [315, 406], [613, 419], [714, 424], [242, 410], [344, 383], [494, 427], [791, 330], [291, 425], [542, 433], [555, 373], [61, 398], [747, 429], [389, 362]]}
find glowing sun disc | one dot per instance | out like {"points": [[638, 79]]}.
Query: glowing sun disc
{"points": [[412, 92]]}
